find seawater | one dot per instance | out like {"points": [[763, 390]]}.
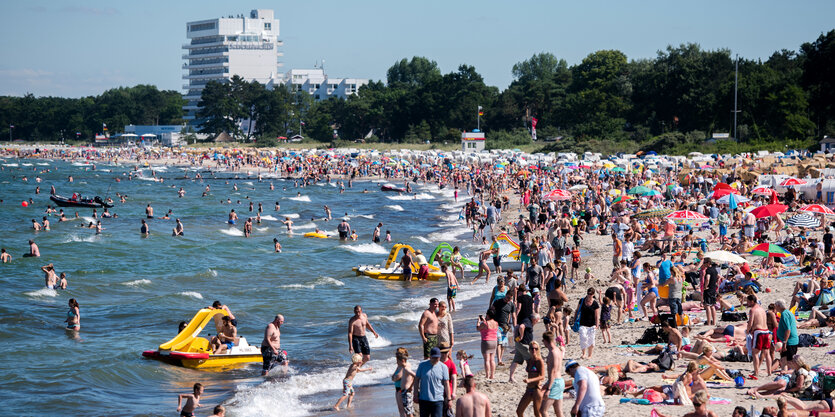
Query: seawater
{"points": [[134, 291]]}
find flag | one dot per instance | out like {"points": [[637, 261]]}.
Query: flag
{"points": [[480, 111], [303, 123], [533, 127], [104, 126], [11, 126]]}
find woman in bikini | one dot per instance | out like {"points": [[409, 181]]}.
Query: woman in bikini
{"points": [[536, 374]]}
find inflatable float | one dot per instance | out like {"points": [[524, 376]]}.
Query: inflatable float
{"points": [[392, 188], [319, 235], [392, 269], [190, 351]]}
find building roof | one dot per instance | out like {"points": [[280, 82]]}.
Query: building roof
{"points": [[827, 139]]}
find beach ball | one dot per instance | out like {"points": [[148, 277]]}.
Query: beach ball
{"points": [[24, 204]]}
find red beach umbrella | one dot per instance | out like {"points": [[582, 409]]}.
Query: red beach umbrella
{"points": [[769, 210], [818, 208]]}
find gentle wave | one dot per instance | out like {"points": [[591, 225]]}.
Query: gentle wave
{"points": [[303, 198], [137, 282], [262, 229], [268, 217], [43, 292], [291, 215], [232, 232], [298, 286], [408, 316], [365, 216], [421, 196], [283, 398], [366, 248], [77, 238], [306, 226], [192, 294], [328, 281], [395, 207]]}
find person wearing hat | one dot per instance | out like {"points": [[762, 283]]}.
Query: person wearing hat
{"points": [[423, 265], [445, 348], [588, 400], [431, 387]]}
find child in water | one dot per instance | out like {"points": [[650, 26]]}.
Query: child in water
{"points": [[348, 382], [388, 236], [192, 401]]}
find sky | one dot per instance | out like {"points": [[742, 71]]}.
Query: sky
{"points": [[81, 48]]}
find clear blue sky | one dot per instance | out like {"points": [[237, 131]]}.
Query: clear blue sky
{"points": [[79, 48]]}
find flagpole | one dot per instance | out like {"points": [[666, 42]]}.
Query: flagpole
{"points": [[478, 116]]}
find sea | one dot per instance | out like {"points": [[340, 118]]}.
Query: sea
{"points": [[133, 291]]}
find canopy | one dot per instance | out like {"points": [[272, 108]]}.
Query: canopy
{"points": [[578, 187], [803, 220], [818, 208], [687, 217], [640, 190], [790, 182], [723, 256], [762, 190], [558, 194], [655, 212], [769, 249], [738, 198], [769, 210], [622, 199]]}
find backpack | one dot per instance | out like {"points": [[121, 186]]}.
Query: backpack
{"points": [[665, 360], [734, 316], [807, 340], [575, 327], [650, 336]]}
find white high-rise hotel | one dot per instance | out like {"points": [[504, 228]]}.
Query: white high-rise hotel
{"points": [[247, 46], [220, 48]]}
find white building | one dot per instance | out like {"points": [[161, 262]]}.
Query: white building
{"points": [[472, 141], [246, 46], [316, 83]]}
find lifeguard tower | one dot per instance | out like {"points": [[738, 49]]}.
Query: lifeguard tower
{"points": [[472, 141]]}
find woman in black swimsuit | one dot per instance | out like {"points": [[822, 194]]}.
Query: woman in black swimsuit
{"points": [[536, 374], [819, 408]]}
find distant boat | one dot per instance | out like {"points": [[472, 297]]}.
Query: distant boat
{"points": [[94, 202]]}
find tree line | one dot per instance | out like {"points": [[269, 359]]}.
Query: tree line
{"points": [[606, 102]]}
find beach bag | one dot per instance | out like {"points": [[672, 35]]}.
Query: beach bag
{"points": [[680, 392], [807, 340], [575, 327], [665, 360], [734, 316], [826, 297], [649, 337]]}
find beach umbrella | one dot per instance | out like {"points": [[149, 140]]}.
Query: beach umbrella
{"points": [[770, 250], [818, 208], [687, 217], [557, 195], [722, 186], [579, 187], [640, 190], [651, 193], [790, 182], [803, 220], [622, 199], [617, 169], [650, 183], [614, 192], [655, 212], [739, 199], [722, 192], [769, 210], [762, 190], [723, 256]]}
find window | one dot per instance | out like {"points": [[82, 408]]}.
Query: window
{"points": [[201, 26], [830, 197], [316, 97], [268, 26]]}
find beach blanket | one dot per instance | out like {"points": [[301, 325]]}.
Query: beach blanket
{"points": [[635, 346]]}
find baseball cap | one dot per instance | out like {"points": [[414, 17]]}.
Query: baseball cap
{"points": [[435, 353], [570, 364]]}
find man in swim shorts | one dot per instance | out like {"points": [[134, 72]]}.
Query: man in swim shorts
{"points": [[552, 390], [271, 352], [760, 335], [344, 229], [428, 327], [357, 340], [226, 338], [232, 217]]}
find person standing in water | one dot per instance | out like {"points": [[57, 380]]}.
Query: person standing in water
{"points": [[73, 316], [145, 229], [233, 217], [289, 223], [50, 278], [149, 211], [357, 340], [375, 237], [178, 229], [271, 352]]}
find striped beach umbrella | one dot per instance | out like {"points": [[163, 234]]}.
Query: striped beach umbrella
{"points": [[803, 220], [687, 217], [654, 212], [791, 182], [738, 198], [818, 208], [770, 250]]}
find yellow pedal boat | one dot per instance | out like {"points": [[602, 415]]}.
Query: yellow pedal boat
{"points": [[392, 270], [191, 351]]}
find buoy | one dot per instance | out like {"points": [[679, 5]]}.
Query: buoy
{"points": [[24, 204]]}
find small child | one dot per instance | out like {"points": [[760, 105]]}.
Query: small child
{"points": [[463, 362], [605, 315], [192, 401], [589, 276], [388, 236], [566, 316], [277, 245], [219, 411], [348, 382], [575, 262]]}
